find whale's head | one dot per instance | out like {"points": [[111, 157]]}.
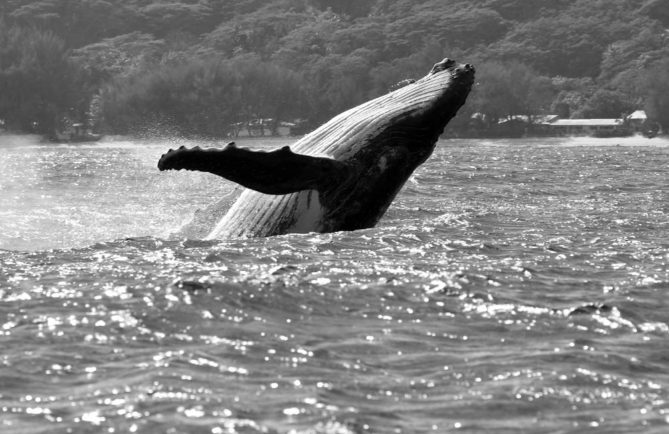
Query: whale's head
{"points": [[419, 112], [411, 117], [386, 139]]}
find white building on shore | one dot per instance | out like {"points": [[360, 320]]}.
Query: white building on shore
{"points": [[630, 124], [584, 127]]}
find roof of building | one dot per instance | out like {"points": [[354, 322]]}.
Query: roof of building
{"points": [[639, 114], [547, 119], [586, 122], [539, 119]]}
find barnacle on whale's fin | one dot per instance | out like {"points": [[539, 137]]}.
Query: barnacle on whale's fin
{"points": [[277, 172]]}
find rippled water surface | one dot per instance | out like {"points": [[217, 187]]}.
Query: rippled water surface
{"points": [[513, 286]]}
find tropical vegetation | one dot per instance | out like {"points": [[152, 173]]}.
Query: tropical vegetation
{"points": [[199, 67]]}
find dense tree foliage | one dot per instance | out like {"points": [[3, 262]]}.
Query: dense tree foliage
{"points": [[37, 80], [202, 97], [656, 86], [511, 89], [201, 66]]}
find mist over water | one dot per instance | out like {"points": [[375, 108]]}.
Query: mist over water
{"points": [[513, 286]]}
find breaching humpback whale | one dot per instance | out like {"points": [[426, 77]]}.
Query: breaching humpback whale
{"points": [[342, 176]]}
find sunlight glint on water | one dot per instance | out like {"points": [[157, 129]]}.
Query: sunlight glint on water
{"points": [[512, 286]]}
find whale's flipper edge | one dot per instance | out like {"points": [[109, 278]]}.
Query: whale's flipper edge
{"points": [[277, 172]]}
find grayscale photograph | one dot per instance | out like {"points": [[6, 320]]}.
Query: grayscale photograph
{"points": [[334, 216]]}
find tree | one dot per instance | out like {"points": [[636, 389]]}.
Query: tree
{"points": [[258, 32], [266, 90], [200, 97], [458, 25], [388, 73], [607, 103], [505, 90], [657, 9], [572, 95], [344, 51], [657, 93], [37, 80], [120, 55], [353, 8], [559, 46], [78, 22], [570, 40], [338, 83], [306, 44], [521, 10], [162, 19], [634, 53]]}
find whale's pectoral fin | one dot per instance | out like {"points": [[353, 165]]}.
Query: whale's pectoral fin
{"points": [[277, 172]]}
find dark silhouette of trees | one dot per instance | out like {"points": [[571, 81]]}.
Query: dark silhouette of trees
{"points": [[77, 22], [508, 89], [606, 103], [119, 56], [657, 9], [219, 60], [37, 80], [572, 95], [200, 98], [162, 19], [656, 87], [352, 8]]}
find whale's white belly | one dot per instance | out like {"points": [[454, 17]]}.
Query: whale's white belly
{"points": [[256, 214]]}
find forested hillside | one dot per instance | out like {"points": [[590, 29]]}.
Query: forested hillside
{"points": [[196, 67]]}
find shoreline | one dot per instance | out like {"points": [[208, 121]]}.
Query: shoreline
{"points": [[18, 139]]}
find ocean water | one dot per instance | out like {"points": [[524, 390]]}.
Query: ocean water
{"points": [[513, 286]]}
